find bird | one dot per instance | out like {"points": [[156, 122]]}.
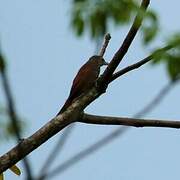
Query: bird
{"points": [[84, 80]]}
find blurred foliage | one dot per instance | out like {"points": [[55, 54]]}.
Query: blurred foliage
{"points": [[3, 110], [95, 15], [10, 129], [6, 128], [2, 63], [170, 58], [150, 27]]}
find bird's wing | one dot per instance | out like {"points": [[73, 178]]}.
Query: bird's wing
{"points": [[84, 79]]}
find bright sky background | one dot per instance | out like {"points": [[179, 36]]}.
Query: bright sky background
{"points": [[44, 55]]}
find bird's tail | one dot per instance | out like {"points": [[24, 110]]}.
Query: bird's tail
{"points": [[65, 106]]}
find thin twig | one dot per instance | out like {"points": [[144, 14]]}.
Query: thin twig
{"points": [[105, 44], [105, 120], [12, 114], [140, 63]]}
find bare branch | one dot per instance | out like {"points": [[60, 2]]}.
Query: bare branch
{"points": [[125, 45], [105, 44], [140, 63], [105, 120], [32, 142]]}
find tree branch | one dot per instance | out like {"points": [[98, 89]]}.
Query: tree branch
{"points": [[105, 120], [125, 45], [74, 111], [140, 63], [47, 131], [105, 44], [28, 145]]}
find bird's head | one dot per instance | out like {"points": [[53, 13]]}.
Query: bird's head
{"points": [[100, 60]]}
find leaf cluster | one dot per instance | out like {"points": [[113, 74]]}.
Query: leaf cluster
{"points": [[170, 58], [96, 15]]}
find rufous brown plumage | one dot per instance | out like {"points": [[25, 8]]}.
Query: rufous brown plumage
{"points": [[85, 79]]}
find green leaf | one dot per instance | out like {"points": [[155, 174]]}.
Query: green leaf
{"points": [[159, 56], [15, 170], [78, 23], [175, 40], [95, 15], [150, 27], [173, 67], [98, 23], [119, 11]]}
